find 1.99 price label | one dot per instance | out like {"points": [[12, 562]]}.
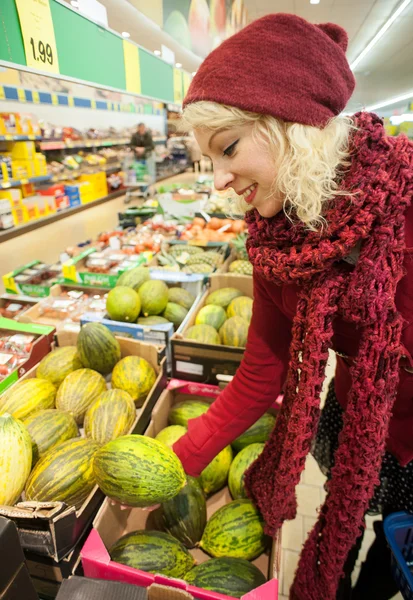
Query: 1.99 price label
{"points": [[41, 52]]}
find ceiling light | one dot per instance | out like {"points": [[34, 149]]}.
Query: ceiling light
{"points": [[178, 65], [125, 34], [380, 33], [74, 3], [314, 1], [157, 52], [391, 101]]}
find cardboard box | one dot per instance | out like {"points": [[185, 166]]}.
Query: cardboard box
{"points": [[11, 553], [16, 282], [16, 300], [82, 588], [20, 587], [207, 362], [52, 529], [112, 522]]}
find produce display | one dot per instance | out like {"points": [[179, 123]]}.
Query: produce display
{"points": [[109, 416], [135, 376], [57, 365], [239, 466], [190, 259], [27, 397], [259, 432], [15, 458], [15, 350], [77, 392], [48, 428]]}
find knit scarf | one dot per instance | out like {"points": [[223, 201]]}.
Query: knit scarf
{"points": [[380, 179]]}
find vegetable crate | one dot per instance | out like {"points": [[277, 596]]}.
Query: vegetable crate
{"points": [[398, 529]]}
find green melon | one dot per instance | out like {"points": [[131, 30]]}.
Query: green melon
{"points": [[138, 471], [50, 427], [123, 304], [27, 397], [234, 332], [232, 577], [182, 412], [240, 307], [135, 376], [171, 434], [98, 348], [211, 315], [153, 552], [181, 296], [110, 415], [175, 313], [153, 320], [134, 278], [15, 458], [235, 530], [56, 365], [205, 334], [240, 464], [78, 391], [223, 297], [214, 477], [259, 432], [154, 297]]}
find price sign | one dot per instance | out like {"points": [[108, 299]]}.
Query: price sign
{"points": [[2, 94], [21, 95], [93, 104], [38, 35], [132, 67], [36, 98], [71, 101], [55, 100]]}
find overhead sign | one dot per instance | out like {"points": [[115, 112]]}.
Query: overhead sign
{"points": [[132, 67]]}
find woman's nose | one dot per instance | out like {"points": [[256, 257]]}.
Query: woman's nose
{"points": [[222, 179]]}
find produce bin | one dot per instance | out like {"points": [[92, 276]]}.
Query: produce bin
{"points": [[208, 363], [112, 522], [52, 529]]}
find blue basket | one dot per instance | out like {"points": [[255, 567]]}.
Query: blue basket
{"points": [[398, 529]]}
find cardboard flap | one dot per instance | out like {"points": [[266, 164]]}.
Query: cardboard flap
{"points": [[33, 510], [95, 549], [81, 588], [267, 591], [165, 592]]}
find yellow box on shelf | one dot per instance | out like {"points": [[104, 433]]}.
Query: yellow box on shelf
{"points": [[40, 165], [22, 169], [22, 150], [14, 196]]}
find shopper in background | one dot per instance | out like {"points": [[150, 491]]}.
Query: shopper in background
{"points": [[142, 143], [330, 238]]}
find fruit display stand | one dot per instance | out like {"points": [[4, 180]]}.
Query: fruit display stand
{"points": [[52, 529], [207, 363], [112, 522]]}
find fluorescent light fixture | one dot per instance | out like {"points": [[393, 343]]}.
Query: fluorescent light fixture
{"points": [[397, 119], [178, 65], [314, 1], [380, 33], [125, 34], [390, 101], [157, 52], [74, 3]]}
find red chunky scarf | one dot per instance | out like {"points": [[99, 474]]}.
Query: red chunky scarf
{"points": [[381, 176]]}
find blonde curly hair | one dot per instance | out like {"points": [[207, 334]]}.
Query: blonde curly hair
{"points": [[307, 160]]}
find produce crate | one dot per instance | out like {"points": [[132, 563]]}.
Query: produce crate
{"points": [[207, 362], [52, 529], [112, 522], [398, 529], [17, 306], [14, 578], [21, 280]]}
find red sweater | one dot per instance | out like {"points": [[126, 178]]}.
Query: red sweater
{"points": [[262, 372]]}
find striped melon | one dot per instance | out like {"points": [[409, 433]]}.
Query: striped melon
{"points": [[110, 415], [182, 412], [235, 530], [203, 333], [98, 348], [214, 476], [58, 364], [15, 458], [64, 474], [171, 434], [260, 431], [50, 427], [211, 315], [232, 577], [78, 391], [185, 515], [154, 297], [240, 464], [175, 313], [134, 278], [138, 471], [153, 320], [135, 376], [240, 307], [234, 332], [181, 296], [153, 552], [28, 397], [223, 297]]}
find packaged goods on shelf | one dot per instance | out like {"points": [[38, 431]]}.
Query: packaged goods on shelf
{"points": [[6, 215], [99, 185], [15, 307], [33, 279], [57, 192], [19, 124]]}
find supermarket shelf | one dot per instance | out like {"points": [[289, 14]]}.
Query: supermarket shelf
{"points": [[46, 145], [16, 182], [14, 232], [18, 138]]}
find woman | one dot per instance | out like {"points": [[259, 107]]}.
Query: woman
{"points": [[330, 237]]}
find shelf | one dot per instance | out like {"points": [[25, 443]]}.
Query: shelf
{"points": [[18, 138], [17, 182], [47, 145]]}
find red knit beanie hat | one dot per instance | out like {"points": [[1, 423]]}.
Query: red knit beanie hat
{"points": [[279, 65]]}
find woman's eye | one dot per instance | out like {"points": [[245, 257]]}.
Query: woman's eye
{"points": [[230, 150]]}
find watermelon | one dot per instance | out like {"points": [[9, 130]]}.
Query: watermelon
{"points": [[171, 434], [211, 315], [78, 391], [185, 515], [56, 365], [154, 297], [206, 334], [235, 530], [15, 458], [240, 464], [134, 375], [214, 476], [257, 433], [182, 412], [123, 304], [240, 307], [234, 332], [64, 474], [138, 471], [181, 296], [232, 577], [27, 397], [153, 320], [175, 313], [223, 297], [134, 278], [110, 415], [153, 552], [98, 348], [50, 427]]}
